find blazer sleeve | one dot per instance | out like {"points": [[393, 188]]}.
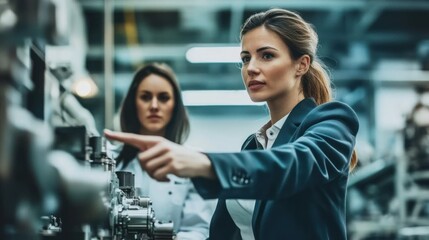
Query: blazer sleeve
{"points": [[318, 152]]}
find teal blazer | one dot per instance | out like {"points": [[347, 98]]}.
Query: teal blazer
{"points": [[299, 184]]}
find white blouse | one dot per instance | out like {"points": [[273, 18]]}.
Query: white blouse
{"points": [[241, 210]]}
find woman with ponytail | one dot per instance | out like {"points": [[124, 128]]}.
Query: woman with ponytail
{"points": [[290, 179]]}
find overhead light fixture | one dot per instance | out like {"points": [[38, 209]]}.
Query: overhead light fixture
{"points": [[218, 98], [84, 87], [215, 54]]}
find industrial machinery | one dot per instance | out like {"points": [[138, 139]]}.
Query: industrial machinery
{"points": [[129, 216], [413, 173], [47, 191], [389, 198]]}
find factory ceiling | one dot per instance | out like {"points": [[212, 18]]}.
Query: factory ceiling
{"points": [[357, 37]]}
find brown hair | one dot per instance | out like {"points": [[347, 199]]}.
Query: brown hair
{"points": [[177, 129], [301, 39]]}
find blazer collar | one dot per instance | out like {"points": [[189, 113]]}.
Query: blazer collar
{"points": [[295, 118], [292, 122], [251, 143]]}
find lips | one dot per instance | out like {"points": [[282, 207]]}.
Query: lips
{"points": [[254, 85], [154, 117]]}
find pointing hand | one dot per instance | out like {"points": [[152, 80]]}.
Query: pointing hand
{"points": [[160, 157]]}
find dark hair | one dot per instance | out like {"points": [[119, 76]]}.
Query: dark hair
{"points": [[177, 130], [301, 39]]}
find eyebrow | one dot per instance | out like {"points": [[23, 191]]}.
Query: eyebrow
{"points": [[259, 49], [146, 91]]}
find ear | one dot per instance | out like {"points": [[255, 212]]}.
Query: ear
{"points": [[303, 64]]}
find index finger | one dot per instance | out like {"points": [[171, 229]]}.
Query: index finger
{"points": [[135, 140]]}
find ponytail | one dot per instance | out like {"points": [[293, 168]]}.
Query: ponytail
{"points": [[316, 83], [353, 161]]}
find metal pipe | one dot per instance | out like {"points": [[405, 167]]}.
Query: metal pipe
{"points": [[108, 64]]}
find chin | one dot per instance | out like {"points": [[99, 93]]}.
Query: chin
{"points": [[257, 99], [153, 128]]}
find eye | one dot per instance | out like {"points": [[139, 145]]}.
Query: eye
{"points": [[164, 97], [245, 59], [146, 97], [267, 56]]}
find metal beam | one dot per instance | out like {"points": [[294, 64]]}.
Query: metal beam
{"points": [[257, 4], [109, 46], [178, 51], [368, 17], [237, 12]]}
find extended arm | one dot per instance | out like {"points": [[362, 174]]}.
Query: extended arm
{"points": [[318, 152]]}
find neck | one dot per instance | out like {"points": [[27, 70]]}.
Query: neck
{"points": [[279, 109]]}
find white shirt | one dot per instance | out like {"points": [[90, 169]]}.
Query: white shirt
{"points": [[268, 134], [241, 210]]}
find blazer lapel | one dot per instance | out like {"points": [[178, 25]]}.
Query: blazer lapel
{"points": [[253, 144], [293, 121], [250, 143]]}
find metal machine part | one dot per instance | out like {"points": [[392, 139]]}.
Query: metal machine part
{"points": [[129, 216], [416, 137], [135, 217], [126, 182]]}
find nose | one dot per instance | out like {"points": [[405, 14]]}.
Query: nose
{"points": [[154, 104], [252, 68]]}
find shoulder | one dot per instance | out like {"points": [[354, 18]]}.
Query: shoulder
{"points": [[113, 146], [113, 149], [333, 111], [334, 108]]}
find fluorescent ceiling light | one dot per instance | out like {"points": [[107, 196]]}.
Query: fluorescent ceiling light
{"points": [[217, 98], [224, 54]]}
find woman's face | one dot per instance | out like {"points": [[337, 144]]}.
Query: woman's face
{"points": [[269, 73], [155, 103]]}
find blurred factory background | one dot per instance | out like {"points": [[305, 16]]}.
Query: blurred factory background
{"points": [[377, 51], [374, 50]]}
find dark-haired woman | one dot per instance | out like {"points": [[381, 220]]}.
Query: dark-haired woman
{"points": [[153, 106]]}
